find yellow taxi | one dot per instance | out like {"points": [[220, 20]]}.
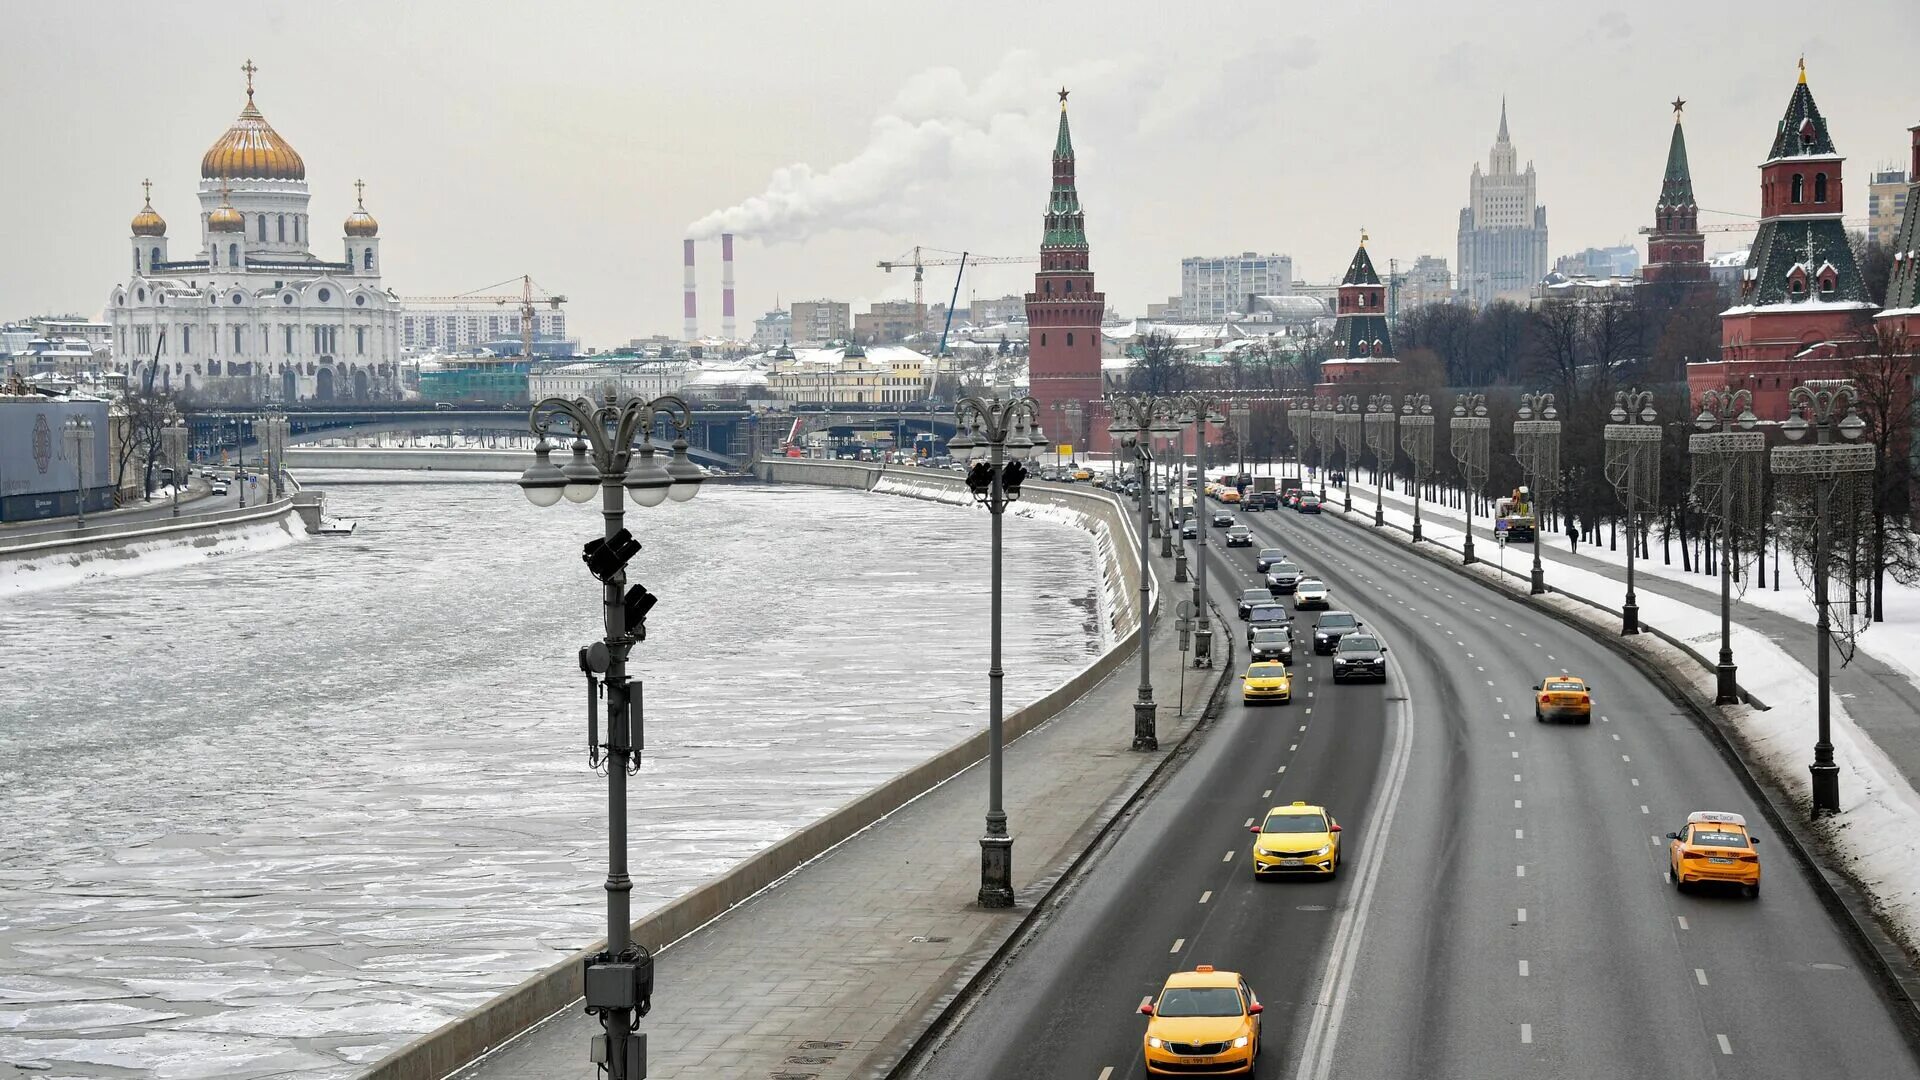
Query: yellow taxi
{"points": [[1563, 697], [1204, 1023], [1266, 682], [1083, 473], [1229, 495], [1296, 839], [1714, 847]]}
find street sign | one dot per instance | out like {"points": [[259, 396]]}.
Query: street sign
{"points": [[1064, 450], [1184, 610]]}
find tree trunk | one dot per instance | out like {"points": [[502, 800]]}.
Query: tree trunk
{"points": [[1879, 565]]}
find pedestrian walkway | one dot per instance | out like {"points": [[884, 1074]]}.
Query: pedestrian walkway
{"points": [[838, 969], [196, 499], [1878, 696]]}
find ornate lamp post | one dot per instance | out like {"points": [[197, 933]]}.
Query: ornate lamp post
{"points": [[1633, 468], [1825, 466], [79, 431], [613, 448], [1346, 432], [1469, 434], [1322, 427], [996, 437], [1240, 414], [1536, 443], [1730, 460], [176, 450], [1194, 409], [1299, 414], [1416, 440], [1137, 419], [1379, 431]]}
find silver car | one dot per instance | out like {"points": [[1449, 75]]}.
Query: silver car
{"points": [[1310, 593]]}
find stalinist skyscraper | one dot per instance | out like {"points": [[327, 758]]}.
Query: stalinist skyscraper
{"points": [[1503, 228]]}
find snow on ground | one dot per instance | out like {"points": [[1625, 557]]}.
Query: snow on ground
{"points": [[61, 568]]}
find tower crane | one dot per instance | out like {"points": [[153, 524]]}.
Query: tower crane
{"points": [[916, 259], [530, 295]]}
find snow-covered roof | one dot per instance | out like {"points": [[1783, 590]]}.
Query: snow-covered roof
{"points": [[728, 376]]}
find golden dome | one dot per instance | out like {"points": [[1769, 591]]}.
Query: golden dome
{"points": [[147, 222], [224, 217], [361, 223], [251, 149]]}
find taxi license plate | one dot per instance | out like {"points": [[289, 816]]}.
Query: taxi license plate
{"points": [[1290, 862], [1724, 862]]}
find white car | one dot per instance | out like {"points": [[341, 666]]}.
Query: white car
{"points": [[1310, 593]]}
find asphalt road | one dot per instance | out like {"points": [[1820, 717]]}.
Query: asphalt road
{"points": [[159, 509], [1503, 909]]}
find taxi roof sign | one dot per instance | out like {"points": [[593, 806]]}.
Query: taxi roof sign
{"points": [[1716, 817]]}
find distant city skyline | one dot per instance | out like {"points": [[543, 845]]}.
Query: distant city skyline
{"points": [[613, 133]]}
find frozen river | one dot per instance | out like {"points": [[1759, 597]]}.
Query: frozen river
{"points": [[274, 814]]}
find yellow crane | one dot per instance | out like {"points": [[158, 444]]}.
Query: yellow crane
{"points": [[531, 295], [918, 260]]}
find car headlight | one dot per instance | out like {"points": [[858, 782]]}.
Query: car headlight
{"points": [[1240, 1043], [1154, 1041], [1325, 850]]}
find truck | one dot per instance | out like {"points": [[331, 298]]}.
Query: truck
{"points": [[1263, 496], [1513, 515]]}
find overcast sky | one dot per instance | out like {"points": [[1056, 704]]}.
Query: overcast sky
{"points": [[582, 141]]}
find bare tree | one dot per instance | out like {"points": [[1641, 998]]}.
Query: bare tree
{"points": [[1500, 337], [1160, 367], [1883, 384]]}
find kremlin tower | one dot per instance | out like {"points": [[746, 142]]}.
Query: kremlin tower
{"points": [[1362, 340], [1064, 313], [1676, 269]]}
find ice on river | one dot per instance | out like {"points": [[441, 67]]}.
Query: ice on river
{"points": [[275, 813]]}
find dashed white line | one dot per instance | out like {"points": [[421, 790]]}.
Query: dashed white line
{"points": [[1521, 915], [1206, 896], [1293, 747], [1683, 922], [1105, 1073], [1616, 736], [1519, 834], [1228, 857], [1624, 757], [1516, 778], [1644, 810], [1249, 824], [1516, 804], [1267, 794], [1700, 976], [1510, 734], [1725, 1046], [1523, 969], [1282, 768], [1636, 782], [1520, 871], [1516, 753], [1526, 1033], [1177, 942]]}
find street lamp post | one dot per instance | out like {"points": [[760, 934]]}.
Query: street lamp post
{"points": [[1379, 430], [79, 429], [1137, 419], [1730, 459], [1824, 466], [1346, 429], [1416, 438], [1194, 408], [1299, 416], [1536, 442], [1322, 429], [1469, 434], [614, 448], [1003, 431], [176, 438], [1633, 468]]}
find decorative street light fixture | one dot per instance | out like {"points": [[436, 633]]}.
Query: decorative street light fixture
{"points": [[1379, 431], [997, 437], [1322, 429], [1416, 439], [1469, 435], [1825, 467], [1299, 414], [1346, 431], [1241, 415], [79, 430], [1731, 461], [1536, 443], [176, 451], [1194, 409], [1137, 420], [1633, 468], [613, 448]]}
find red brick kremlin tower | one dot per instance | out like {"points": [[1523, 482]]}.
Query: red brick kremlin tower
{"points": [[1802, 305], [1064, 312], [1676, 269], [1362, 341]]}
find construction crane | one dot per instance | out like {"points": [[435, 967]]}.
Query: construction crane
{"points": [[916, 259], [1745, 226], [530, 295]]}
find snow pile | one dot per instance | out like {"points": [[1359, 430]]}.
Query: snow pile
{"points": [[60, 567]]}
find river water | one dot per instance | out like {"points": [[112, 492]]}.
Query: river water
{"points": [[275, 813]]}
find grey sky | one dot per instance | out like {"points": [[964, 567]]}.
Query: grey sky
{"points": [[578, 141]]}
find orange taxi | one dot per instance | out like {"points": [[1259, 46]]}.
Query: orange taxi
{"points": [[1204, 1023], [1714, 847], [1563, 697]]}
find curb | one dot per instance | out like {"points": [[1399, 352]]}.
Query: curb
{"points": [[1840, 894], [898, 1064]]}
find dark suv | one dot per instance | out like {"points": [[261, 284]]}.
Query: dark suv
{"points": [[1267, 557], [1360, 656], [1282, 578], [1267, 617], [1330, 627]]}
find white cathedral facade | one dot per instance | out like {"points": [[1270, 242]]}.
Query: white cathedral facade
{"points": [[254, 315]]}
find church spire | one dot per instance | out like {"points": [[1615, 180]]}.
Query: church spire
{"points": [[1503, 121]]}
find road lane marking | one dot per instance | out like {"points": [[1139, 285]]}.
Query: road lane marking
{"points": [[1725, 1046], [1700, 976], [1516, 753], [1105, 1073], [1522, 915], [1249, 824], [1499, 701], [1282, 768], [1526, 1033], [1510, 734], [1683, 922], [1624, 757], [1616, 736], [1636, 782], [1303, 727], [1177, 942], [1654, 840], [1293, 747], [1267, 794], [1523, 969], [1520, 871], [1644, 810], [1206, 896], [1516, 778], [1148, 1000], [1228, 858], [1516, 804], [1519, 834]]}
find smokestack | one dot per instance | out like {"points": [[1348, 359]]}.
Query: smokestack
{"points": [[693, 319], [726, 286]]}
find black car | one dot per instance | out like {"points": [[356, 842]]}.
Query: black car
{"points": [[1309, 504], [1189, 529], [1360, 656], [1222, 518], [1329, 628], [1272, 643], [1239, 536], [1283, 578], [1267, 617], [1251, 504], [1252, 597], [1267, 557]]}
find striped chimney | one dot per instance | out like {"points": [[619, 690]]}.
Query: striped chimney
{"points": [[693, 319], [726, 286]]}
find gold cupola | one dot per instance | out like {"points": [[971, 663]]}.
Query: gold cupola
{"points": [[148, 222], [251, 149], [224, 217], [361, 223]]}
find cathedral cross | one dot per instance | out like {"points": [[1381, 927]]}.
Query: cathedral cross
{"points": [[249, 69]]}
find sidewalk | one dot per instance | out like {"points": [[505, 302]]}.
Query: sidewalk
{"points": [[835, 971], [193, 500]]}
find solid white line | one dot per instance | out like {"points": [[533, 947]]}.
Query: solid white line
{"points": [[1330, 1003], [1526, 1033], [1105, 1073], [1683, 922], [1523, 969], [1523, 915], [1228, 858], [1177, 942], [1206, 896], [1700, 976], [1725, 1046]]}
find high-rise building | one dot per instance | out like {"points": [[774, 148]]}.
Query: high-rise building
{"points": [[773, 329], [821, 321], [1676, 249], [1886, 203], [1362, 340], [1212, 287], [1064, 311], [1503, 228], [1427, 281], [886, 322], [1903, 286], [1801, 296]]}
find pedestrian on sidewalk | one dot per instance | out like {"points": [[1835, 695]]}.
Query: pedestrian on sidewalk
{"points": [[1573, 534]]}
